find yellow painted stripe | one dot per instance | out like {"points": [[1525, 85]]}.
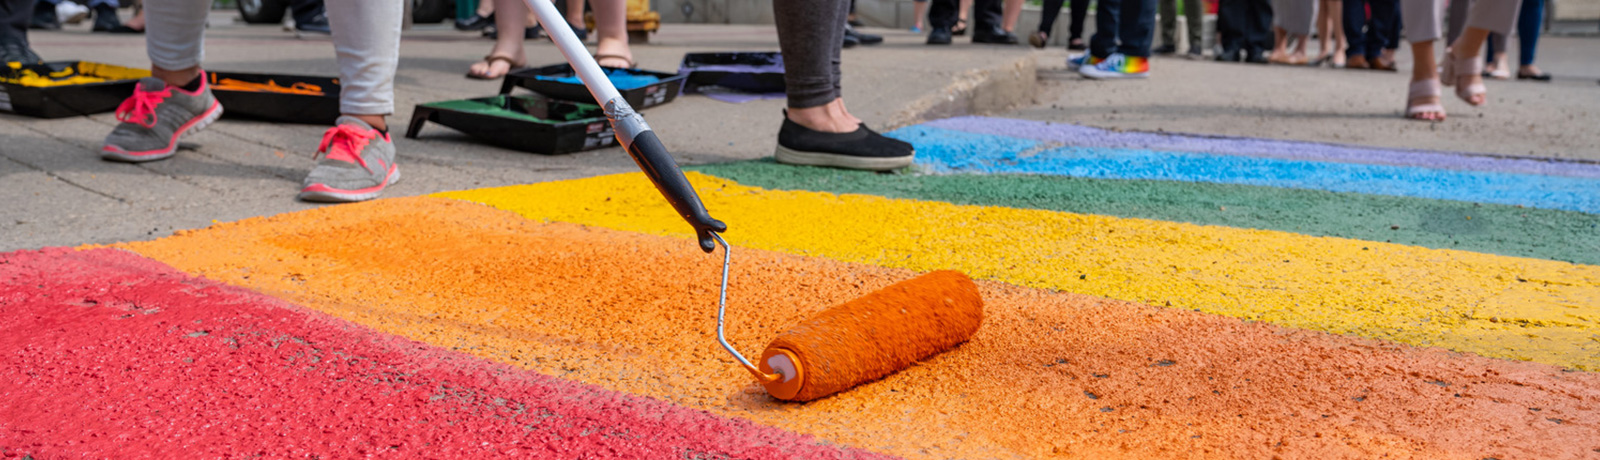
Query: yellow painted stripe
{"points": [[1497, 306]]}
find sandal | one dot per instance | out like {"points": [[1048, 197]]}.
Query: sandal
{"points": [[960, 28], [1454, 71], [1039, 39], [1382, 64], [630, 65], [1421, 89], [511, 64]]}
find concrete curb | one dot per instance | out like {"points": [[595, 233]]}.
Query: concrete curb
{"points": [[976, 92]]}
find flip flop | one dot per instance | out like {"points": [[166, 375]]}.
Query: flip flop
{"points": [[631, 65], [1425, 88], [511, 64]]}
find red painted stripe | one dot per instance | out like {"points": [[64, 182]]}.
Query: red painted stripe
{"points": [[107, 354]]}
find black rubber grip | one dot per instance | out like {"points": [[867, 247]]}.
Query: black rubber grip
{"points": [[657, 164]]}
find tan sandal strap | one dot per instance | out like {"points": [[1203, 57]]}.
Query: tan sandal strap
{"points": [[631, 65], [1425, 88], [512, 63]]}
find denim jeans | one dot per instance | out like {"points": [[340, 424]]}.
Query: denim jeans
{"points": [[1368, 38], [1123, 26], [1530, 22]]}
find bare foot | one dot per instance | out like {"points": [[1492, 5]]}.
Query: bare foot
{"points": [[490, 69], [1466, 82], [1427, 115]]}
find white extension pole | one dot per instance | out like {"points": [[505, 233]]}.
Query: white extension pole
{"points": [[577, 55]]}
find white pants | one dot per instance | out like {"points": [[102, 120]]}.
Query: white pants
{"points": [[1425, 18], [366, 38]]}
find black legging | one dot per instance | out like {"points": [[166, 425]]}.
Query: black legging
{"points": [[810, 34], [14, 17], [1052, 8]]}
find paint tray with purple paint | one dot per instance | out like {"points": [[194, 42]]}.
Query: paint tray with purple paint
{"points": [[641, 88], [755, 72]]}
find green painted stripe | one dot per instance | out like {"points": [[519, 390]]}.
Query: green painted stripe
{"points": [[1496, 229]]}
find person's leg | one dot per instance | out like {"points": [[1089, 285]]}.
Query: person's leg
{"points": [[1456, 15], [574, 14], [1494, 56], [1230, 31], [1080, 14], [1355, 29], [1194, 22], [611, 24], [1048, 12], [1168, 10], [987, 19], [809, 34], [1104, 40], [359, 159], [366, 40], [14, 18], [1258, 30], [1013, 12], [1391, 22], [174, 33], [1483, 17], [942, 13], [919, 13], [1424, 27], [507, 51], [817, 129], [1530, 22], [1136, 27], [175, 100], [1422, 100], [962, 14]]}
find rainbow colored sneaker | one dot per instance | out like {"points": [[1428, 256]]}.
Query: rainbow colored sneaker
{"points": [[1117, 66], [1076, 62]]}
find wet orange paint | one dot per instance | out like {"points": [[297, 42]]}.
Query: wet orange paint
{"points": [[1048, 373], [867, 338]]}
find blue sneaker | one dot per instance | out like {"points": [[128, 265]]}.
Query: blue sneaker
{"points": [[1117, 66], [1076, 62]]}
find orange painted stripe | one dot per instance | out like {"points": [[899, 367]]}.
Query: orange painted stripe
{"points": [[1048, 373]]}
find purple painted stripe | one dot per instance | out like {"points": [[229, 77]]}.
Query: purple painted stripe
{"points": [[1084, 136]]}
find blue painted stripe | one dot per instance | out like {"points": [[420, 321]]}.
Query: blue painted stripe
{"points": [[949, 151]]}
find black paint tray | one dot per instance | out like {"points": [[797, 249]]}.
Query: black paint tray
{"points": [[526, 122], [752, 71], [65, 100], [640, 96], [266, 97]]}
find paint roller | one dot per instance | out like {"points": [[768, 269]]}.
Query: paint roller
{"points": [[846, 345]]}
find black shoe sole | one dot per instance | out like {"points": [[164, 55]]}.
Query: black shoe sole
{"points": [[786, 155]]}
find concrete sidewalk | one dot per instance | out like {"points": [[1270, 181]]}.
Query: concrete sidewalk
{"points": [[58, 192]]}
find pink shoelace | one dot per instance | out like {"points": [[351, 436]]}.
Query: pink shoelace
{"points": [[344, 143], [141, 107]]}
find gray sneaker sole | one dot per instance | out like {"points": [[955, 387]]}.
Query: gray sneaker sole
{"points": [[113, 153], [350, 197], [796, 157]]}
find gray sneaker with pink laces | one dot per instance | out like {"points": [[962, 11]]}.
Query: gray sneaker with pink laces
{"points": [[357, 164]]}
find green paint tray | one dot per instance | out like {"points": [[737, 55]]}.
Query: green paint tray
{"points": [[527, 122]]}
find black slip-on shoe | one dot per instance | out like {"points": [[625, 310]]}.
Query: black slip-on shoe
{"points": [[862, 149]]}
